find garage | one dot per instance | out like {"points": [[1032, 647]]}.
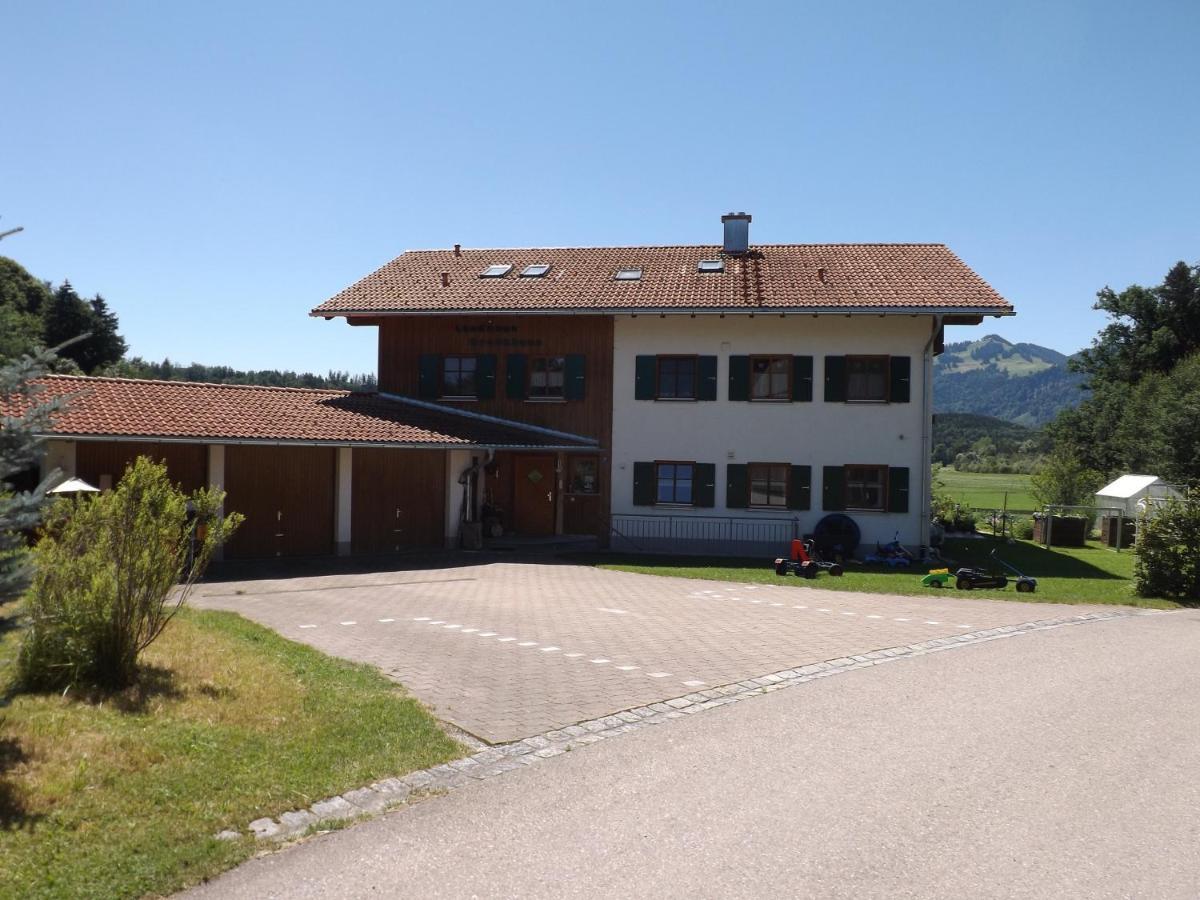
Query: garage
{"points": [[286, 494], [399, 499], [102, 463]]}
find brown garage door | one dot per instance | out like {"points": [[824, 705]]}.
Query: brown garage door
{"points": [[102, 463], [399, 499], [287, 497]]}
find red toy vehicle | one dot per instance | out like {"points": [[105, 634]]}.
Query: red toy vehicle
{"points": [[805, 562]]}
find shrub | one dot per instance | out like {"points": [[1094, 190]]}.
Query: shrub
{"points": [[1167, 553], [1023, 529], [110, 573]]}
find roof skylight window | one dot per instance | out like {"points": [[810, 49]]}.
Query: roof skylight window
{"points": [[537, 270], [629, 273], [499, 270], [710, 265]]}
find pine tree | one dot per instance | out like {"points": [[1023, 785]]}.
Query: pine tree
{"points": [[22, 417]]}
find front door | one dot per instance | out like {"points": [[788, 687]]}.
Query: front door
{"points": [[533, 500]]}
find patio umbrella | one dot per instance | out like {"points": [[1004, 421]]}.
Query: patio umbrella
{"points": [[74, 486]]}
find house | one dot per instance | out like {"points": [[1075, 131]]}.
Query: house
{"points": [[717, 398]]}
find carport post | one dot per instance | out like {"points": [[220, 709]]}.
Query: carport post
{"points": [[345, 491], [216, 480]]}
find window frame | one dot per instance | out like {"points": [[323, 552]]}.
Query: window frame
{"points": [[443, 394], [787, 394], [885, 360], [787, 485], [572, 462], [883, 487], [677, 357], [561, 397], [659, 463]]}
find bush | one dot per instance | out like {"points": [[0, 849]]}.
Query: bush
{"points": [[1167, 553], [106, 575], [1022, 529]]}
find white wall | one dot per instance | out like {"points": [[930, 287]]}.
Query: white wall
{"points": [[815, 433], [457, 461]]}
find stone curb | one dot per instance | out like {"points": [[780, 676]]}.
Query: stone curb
{"points": [[497, 760]]}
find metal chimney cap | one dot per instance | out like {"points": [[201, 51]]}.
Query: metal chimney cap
{"points": [[728, 217]]}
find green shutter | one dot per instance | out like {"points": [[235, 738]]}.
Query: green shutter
{"points": [[647, 373], [644, 488], [429, 382], [739, 378], [835, 379], [704, 485], [737, 485], [800, 488], [833, 488], [514, 376], [802, 372], [485, 376], [706, 377], [901, 372], [898, 489], [576, 370]]}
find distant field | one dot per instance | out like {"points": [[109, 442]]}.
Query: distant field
{"points": [[979, 490]]}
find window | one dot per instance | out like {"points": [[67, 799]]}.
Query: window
{"points": [[710, 265], [867, 378], [866, 487], [629, 273], [585, 476], [676, 378], [546, 377], [535, 271], [770, 378], [674, 482], [769, 484], [458, 376], [499, 270]]}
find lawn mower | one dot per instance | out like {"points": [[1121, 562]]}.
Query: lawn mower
{"points": [[805, 562], [967, 579]]}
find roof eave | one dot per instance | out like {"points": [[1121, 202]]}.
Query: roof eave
{"points": [[305, 442], [998, 312]]}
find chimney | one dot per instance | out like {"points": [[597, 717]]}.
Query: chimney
{"points": [[737, 233], [445, 279], [458, 249]]}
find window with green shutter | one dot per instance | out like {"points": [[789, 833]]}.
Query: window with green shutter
{"points": [[802, 379], [514, 376], [739, 378], [800, 488], [900, 370], [897, 489], [737, 486], [835, 380], [833, 488], [429, 376], [576, 376], [643, 484]]}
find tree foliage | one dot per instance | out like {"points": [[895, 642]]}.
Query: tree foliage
{"points": [[1064, 480], [1143, 369], [973, 443], [167, 370], [111, 571], [1166, 562], [25, 417]]}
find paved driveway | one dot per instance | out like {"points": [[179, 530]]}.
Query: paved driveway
{"points": [[508, 650]]}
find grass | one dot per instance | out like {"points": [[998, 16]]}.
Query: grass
{"points": [[1092, 574], [986, 490], [120, 796]]}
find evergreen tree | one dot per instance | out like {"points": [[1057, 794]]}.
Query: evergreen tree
{"points": [[67, 316], [106, 344]]}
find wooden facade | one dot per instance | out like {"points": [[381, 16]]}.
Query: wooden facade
{"points": [[286, 494], [403, 340], [102, 463], [399, 499]]}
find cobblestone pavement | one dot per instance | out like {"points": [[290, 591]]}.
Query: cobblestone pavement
{"points": [[509, 650]]}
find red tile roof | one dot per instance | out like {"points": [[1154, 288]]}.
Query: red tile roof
{"points": [[773, 277], [128, 407]]}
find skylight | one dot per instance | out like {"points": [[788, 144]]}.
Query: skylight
{"points": [[629, 273], [497, 271], [711, 265], [535, 271]]}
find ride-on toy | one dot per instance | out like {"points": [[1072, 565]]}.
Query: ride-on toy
{"points": [[805, 562], [967, 579], [936, 578]]}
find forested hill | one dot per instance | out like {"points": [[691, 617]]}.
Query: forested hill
{"points": [[1021, 383]]}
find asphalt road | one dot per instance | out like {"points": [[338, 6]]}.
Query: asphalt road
{"points": [[1062, 763]]}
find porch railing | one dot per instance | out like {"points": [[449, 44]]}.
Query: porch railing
{"points": [[722, 529]]}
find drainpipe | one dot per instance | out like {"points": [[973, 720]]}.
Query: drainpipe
{"points": [[927, 427]]}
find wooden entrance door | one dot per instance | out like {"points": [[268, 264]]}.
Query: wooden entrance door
{"points": [[533, 495]]}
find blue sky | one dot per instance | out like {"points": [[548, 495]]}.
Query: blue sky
{"points": [[215, 170]]}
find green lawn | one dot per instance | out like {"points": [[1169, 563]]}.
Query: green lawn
{"points": [[1092, 574], [120, 796], [986, 490]]}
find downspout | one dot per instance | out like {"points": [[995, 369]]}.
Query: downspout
{"points": [[927, 429], [467, 509]]}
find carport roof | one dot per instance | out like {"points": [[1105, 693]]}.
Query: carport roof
{"points": [[215, 413]]}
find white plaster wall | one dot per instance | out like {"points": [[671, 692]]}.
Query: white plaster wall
{"points": [[457, 462], [816, 433], [344, 501]]}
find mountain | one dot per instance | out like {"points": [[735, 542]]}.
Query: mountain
{"points": [[1021, 383]]}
